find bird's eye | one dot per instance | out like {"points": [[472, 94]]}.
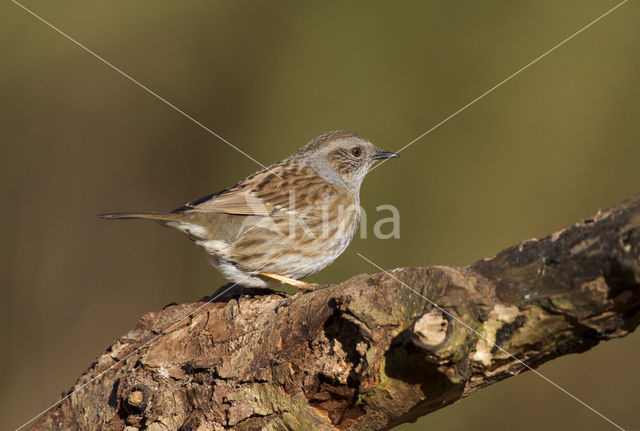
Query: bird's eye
{"points": [[356, 151]]}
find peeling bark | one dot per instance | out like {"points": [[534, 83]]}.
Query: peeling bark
{"points": [[367, 353]]}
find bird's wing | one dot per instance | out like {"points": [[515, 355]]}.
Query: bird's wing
{"points": [[264, 193], [241, 202], [285, 188]]}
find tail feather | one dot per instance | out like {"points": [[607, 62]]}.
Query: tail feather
{"points": [[157, 216], [173, 220]]}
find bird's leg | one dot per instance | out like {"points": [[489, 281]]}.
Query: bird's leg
{"points": [[302, 285]]}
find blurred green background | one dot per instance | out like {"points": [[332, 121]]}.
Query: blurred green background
{"points": [[551, 146]]}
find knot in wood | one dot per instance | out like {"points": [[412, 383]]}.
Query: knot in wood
{"points": [[137, 400], [430, 330]]}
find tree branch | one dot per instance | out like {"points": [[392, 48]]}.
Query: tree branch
{"points": [[368, 353]]}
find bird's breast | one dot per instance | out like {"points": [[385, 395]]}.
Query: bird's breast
{"points": [[303, 236]]}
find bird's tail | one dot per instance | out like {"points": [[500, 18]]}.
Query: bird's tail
{"points": [[156, 216]]}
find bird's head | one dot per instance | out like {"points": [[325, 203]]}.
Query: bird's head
{"points": [[342, 157]]}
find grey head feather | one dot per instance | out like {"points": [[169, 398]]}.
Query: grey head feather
{"points": [[316, 153]]}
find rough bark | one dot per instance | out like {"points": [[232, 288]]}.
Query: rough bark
{"points": [[368, 353]]}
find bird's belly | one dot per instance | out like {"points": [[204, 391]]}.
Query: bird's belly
{"points": [[305, 264], [309, 254], [295, 250]]}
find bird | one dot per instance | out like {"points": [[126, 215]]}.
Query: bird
{"points": [[285, 222]]}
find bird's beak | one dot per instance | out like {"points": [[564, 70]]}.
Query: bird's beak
{"points": [[382, 154]]}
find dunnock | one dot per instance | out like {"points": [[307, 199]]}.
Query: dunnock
{"points": [[285, 222]]}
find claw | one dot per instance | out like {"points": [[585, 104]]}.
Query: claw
{"points": [[284, 303]]}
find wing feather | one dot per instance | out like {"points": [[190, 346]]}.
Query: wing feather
{"points": [[294, 191], [241, 202]]}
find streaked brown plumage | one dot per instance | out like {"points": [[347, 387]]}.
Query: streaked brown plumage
{"points": [[285, 222]]}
